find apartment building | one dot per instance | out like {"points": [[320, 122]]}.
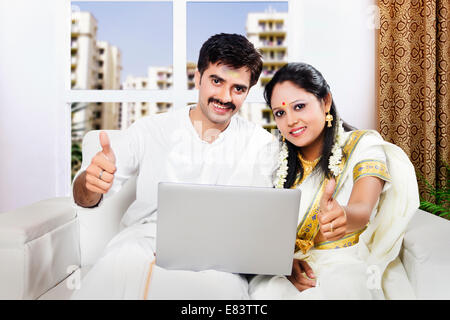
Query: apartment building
{"points": [[158, 78], [83, 51], [131, 111], [95, 65], [268, 33], [108, 77]]}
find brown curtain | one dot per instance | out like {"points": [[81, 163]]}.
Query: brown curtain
{"points": [[414, 97]]}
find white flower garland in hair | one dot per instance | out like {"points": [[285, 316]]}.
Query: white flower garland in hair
{"points": [[336, 152], [282, 166]]}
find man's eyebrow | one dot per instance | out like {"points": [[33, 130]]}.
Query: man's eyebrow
{"points": [[214, 76]]}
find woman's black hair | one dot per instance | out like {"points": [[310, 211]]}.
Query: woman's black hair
{"points": [[310, 79]]}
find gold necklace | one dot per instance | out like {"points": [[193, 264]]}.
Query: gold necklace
{"points": [[308, 167], [307, 162]]}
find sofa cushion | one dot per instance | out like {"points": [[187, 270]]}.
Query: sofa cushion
{"points": [[426, 255], [38, 244]]}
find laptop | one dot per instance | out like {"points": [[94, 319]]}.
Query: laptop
{"points": [[249, 230]]}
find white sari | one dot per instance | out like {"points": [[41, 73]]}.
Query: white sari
{"points": [[364, 264]]}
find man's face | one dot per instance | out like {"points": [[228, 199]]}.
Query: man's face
{"points": [[222, 91]]}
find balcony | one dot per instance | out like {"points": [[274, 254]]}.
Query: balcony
{"points": [[270, 126], [272, 29], [162, 107], [266, 75], [267, 117], [75, 29], [278, 60], [266, 45], [74, 46]]}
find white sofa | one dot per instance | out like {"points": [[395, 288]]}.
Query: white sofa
{"points": [[46, 247]]}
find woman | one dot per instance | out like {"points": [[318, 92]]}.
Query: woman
{"points": [[358, 194]]}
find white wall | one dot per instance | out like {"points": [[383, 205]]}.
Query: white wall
{"points": [[338, 38], [34, 121]]}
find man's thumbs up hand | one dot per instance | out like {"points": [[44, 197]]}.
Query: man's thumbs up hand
{"points": [[106, 147], [100, 173], [332, 217]]}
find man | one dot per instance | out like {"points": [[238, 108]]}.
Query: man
{"points": [[205, 144]]}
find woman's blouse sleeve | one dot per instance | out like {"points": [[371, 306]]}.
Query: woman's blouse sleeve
{"points": [[370, 161]]}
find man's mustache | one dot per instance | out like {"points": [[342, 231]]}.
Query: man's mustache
{"points": [[227, 104]]}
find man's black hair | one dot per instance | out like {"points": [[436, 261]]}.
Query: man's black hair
{"points": [[232, 50]]}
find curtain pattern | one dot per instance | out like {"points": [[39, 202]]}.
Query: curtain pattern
{"points": [[414, 97]]}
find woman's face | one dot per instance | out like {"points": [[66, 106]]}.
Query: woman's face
{"points": [[300, 116]]}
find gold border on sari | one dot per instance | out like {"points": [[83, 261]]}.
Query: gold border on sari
{"points": [[346, 241], [371, 167], [309, 226]]}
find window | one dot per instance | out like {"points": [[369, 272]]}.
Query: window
{"points": [[141, 83], [127, 36]]}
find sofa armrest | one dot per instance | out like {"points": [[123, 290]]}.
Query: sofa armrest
{"points": [[37, 245], [99, 225], [426, 256]]}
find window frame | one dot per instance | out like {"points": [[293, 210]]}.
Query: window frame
{"points": [[179, 94]]}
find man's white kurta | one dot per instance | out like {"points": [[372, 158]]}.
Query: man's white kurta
{"points": [[166, 147]]}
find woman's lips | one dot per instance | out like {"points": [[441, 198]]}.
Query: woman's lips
{"points": [[297, 131]]}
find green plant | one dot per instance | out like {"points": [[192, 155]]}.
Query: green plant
{"points": [[76, 158], [441, 196]]}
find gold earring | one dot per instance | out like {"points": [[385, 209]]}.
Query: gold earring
{"points": [[284, 139], [329, 119]]}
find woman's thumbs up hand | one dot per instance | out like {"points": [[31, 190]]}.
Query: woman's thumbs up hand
{"points": [[332, 216]]}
